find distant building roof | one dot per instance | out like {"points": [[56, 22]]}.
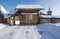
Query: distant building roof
{"points": [[29, 7], [49, 16], [6, 16], [41, 13]]}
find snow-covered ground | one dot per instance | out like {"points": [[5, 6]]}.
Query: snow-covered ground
{"points": [[57, 24], [40, 31], [20, 32], [50, 31], [2, 26]]}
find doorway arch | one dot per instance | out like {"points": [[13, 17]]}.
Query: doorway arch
{"points": [[17, 20]]}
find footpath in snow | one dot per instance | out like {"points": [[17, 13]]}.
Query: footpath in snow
{"points": [[40, 31], [20, 32]]}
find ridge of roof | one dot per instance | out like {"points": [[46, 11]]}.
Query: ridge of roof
{"points": [[29, 6]]}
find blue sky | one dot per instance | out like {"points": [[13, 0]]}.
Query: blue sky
{"points": [[54, 4]]}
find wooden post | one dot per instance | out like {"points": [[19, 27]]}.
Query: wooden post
{"points": [[41, 20], [52, 20], [38, 18], [12, 20]]}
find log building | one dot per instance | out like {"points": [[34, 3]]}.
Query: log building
{"points": [[30, 15], [26, 14]]}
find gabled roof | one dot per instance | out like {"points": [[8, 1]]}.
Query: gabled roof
{"points": [[49, 16], [41, 13], [2, 9], [29, 7]]}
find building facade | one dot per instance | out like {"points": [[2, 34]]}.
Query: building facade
{"points": [[29, 14]]}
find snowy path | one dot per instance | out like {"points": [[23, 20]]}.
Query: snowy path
{"points": [[19, 32]]}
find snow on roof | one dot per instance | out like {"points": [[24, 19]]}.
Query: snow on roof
{"points": [[6, 16], [47, 16], [50, 16], [28, 13], [29, 7], [3, 10]]}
